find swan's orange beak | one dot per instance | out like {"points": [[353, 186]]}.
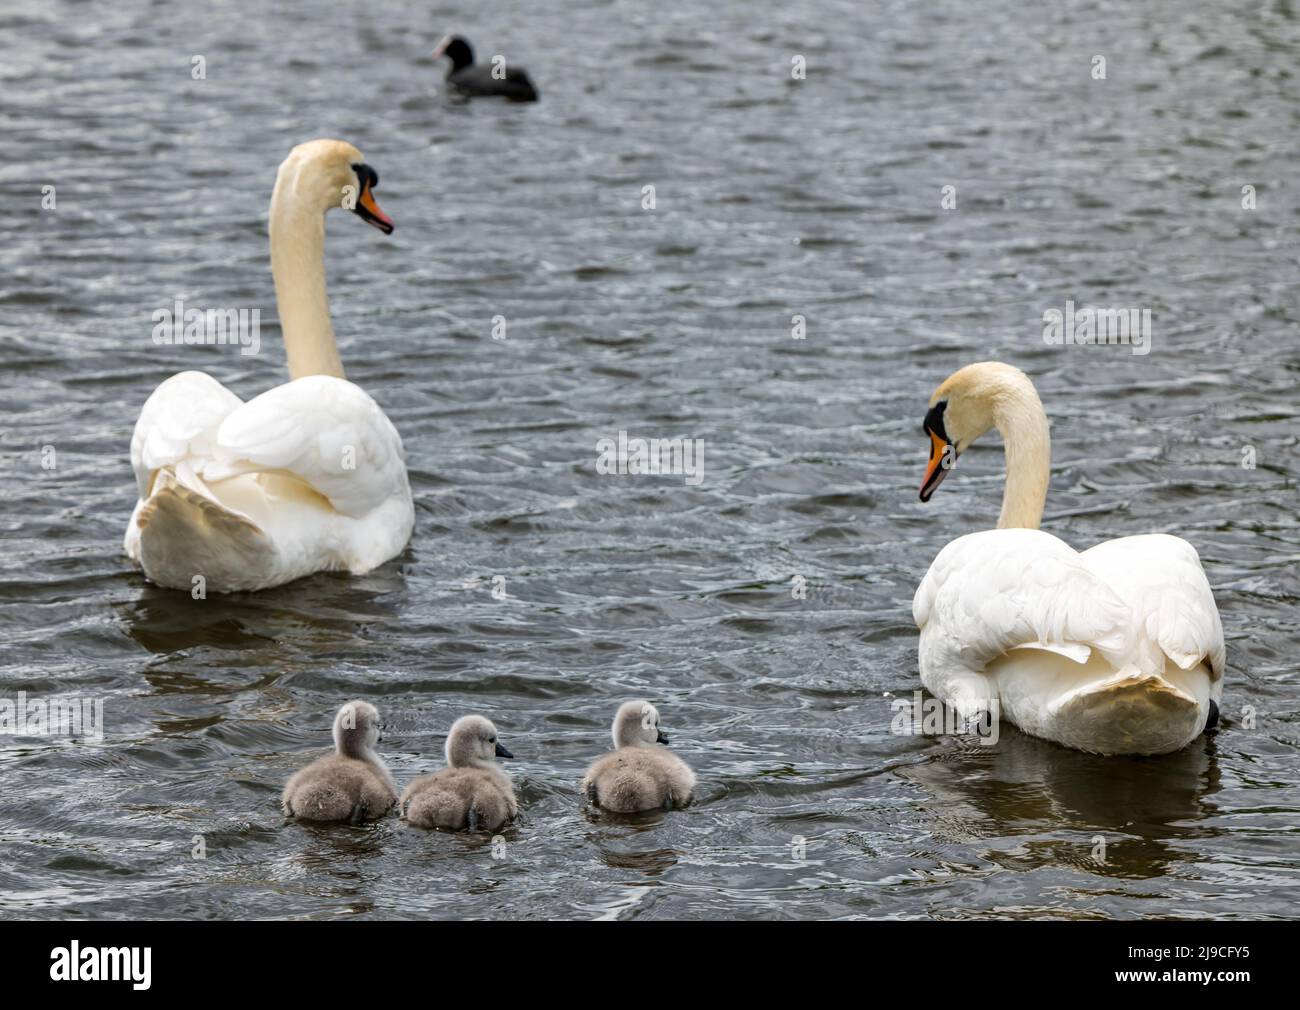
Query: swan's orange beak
{"points": [[370, 212], [938, 467]]}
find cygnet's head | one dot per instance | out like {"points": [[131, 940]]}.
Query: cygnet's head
{"points": [[473, 741], [323, 174], [356, 728], [637, 725]]}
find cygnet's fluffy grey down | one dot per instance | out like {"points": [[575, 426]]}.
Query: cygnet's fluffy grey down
{"points": [[473, 792], [352, 784], [639, 774]]}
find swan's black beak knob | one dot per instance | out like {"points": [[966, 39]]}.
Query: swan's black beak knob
{"points": [[942, 453], [365, 207]]}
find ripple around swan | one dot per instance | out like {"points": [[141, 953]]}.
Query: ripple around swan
{"points": [[774, 198]]}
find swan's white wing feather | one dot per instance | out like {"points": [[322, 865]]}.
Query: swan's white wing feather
{"points": [[988, 593], [324, 430], [1161, 580], [179, 420]]}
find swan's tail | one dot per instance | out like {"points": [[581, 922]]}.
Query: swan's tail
{"points": [[1094, 707], [1131, 713], [184, 539]]}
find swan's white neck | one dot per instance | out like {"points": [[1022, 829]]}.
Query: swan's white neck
{"points": [[1019, 417], [297, 232]]}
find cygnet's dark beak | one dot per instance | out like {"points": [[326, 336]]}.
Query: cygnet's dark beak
{"points": [[662, 739], [503, 753]]}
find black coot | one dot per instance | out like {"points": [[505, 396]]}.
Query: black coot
{"points": [[470, 78]]}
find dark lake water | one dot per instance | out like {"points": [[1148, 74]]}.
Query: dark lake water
{"points": [[774, 198]]}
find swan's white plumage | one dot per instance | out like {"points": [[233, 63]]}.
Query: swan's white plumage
{"points": [[1134, 601], [1169, 600], [324, 430], [987, 593], [309, 476], [180, 419], [1117, 650], [1081, 648]]}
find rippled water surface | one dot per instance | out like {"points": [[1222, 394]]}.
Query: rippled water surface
{"points": [[774, 198]]}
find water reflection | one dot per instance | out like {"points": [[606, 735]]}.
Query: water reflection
{"points": [[1023, 787], [620, 846], [166, 621]]}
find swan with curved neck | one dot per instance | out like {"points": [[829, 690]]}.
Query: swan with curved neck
{"points": [[309, 476], [1116, 650]]}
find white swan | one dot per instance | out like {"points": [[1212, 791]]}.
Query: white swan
{"points": [[309, 476], [1116, 650]]}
